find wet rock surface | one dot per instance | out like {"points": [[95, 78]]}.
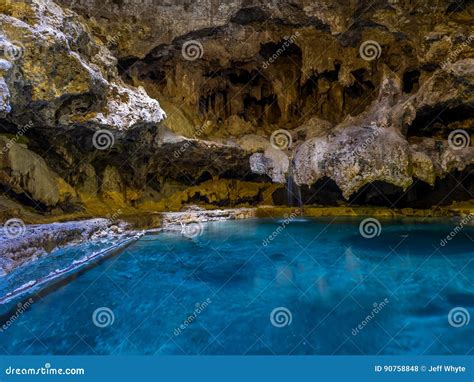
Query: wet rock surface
{"points": [[38, 240], [116, 108]]}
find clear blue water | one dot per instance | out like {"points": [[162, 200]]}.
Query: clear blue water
{"points": [[322, 271]]}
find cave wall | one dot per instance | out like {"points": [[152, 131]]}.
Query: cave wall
{"points": [[187, 97]]}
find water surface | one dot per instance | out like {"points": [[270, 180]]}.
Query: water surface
{"points": [[215, 293]]}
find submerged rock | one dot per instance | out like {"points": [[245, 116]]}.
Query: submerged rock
{"points": [[38, 240]]}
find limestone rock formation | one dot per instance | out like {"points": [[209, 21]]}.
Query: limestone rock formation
{"points": [[146, 106], [57, 74], [371, 147], [27, 173]]}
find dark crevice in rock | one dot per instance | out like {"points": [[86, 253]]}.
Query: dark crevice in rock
{"points": [[259, 67], [124, 64], [251, 177], [205, 176], [243, 89], [352, 37], [456, 186], [411, 81], [153, 181], [202, 199], [249, 15], [24, 199], [324, 192], [436, 121], [76, 105], [458, 6], [199, 34], [8, 127]]}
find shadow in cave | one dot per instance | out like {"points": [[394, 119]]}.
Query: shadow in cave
{"points": [[455, 186], [434, 121]]}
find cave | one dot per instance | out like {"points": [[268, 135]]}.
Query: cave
{"points": [[456, 186], [281, 178], [437, 121]]}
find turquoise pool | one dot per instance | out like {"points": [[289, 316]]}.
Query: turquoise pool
{"points": [[316, 287]]}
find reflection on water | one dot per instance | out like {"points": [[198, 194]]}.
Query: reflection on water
{"points": [[322, 271]]}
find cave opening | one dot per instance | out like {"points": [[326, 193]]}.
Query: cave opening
{"points": [[24, 199], [456, 186], [437, 122]]}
